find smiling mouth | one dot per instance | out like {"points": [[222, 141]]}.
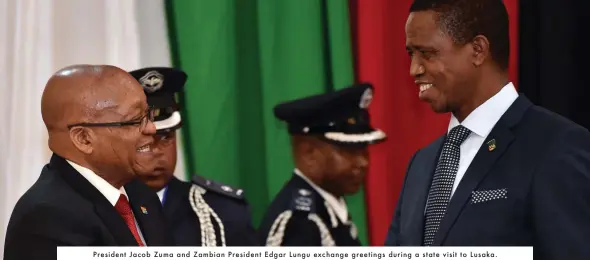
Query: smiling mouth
{"points": [[145, 148], [425, 86]]}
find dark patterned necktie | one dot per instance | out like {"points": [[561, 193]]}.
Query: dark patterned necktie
{"points": [[442, 182]]}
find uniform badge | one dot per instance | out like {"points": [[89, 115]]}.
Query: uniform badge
{"points": [[226, 188], [491, 145], [304, 192], [143, 210], [366, 99], [152, 81]]}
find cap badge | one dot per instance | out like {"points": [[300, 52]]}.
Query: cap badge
{"points": [[152, 81], [366, 99], [351, 121]]}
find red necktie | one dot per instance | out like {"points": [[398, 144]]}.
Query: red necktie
{"points": [[124, 210]]}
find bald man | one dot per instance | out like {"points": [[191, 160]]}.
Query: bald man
{"points": [[101, 132]]}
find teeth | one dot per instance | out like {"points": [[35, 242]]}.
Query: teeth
{"points": [[424, 87], [145, 148]]}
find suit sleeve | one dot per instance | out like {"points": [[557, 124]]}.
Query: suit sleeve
{"points": [[38, 234], [561, 200], [393, 234]]}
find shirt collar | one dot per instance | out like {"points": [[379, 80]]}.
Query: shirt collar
{"points": [[338, 205], [111, 193], [161, 194], [482, 120]]}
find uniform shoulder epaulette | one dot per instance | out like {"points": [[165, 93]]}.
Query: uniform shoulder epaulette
{"points": [[302, 201], [217, 187]]}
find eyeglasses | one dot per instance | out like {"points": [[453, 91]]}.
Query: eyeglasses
{"points": [[142, 122]]}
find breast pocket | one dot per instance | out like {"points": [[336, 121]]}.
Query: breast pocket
{"points": [[485, 196]]}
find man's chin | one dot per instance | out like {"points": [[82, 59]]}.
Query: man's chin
{"points": [[353, 188], [144, 169], [438, 108]]}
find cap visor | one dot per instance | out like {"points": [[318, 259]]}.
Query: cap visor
{"points": [[169, 122], [374, 136]]}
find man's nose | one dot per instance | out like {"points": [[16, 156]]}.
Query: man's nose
{"points": [[416, 68], [362, 161], [150, 128]]}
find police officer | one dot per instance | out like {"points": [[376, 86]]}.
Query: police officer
{"points": [[330, 134], [201, 212]]}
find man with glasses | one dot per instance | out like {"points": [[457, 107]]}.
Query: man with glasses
{"points": [[201, 212], [101, 133]]}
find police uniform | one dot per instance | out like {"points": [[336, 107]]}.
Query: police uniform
{"points": [[201, 212], [302, 213]]}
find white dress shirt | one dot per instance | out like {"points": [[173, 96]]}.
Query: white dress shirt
{"points": [[106, 189], [161, 194], [337, 205], [481, 122]]}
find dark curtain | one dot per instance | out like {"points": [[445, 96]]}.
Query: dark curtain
{"points": [[554, 54]]}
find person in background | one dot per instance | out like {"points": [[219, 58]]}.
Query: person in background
{"points": [[201, 212], [507, 172], [330, 135], [101, 134]]}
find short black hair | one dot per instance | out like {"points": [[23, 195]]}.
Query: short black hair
{"points": [[462, 20]]}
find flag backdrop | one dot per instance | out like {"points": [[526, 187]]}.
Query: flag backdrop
{"points": [[244, 57]]}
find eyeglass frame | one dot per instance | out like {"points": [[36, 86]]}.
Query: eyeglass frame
{"points": [[149, 114]]}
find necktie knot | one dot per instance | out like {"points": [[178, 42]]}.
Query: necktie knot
{"points": [[458, 135]]}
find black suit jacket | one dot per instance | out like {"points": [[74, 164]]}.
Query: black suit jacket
{"points": [[232, 209], [63, 209], [300, 230], [535, 186]]}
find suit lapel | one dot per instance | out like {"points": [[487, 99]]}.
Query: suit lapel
{"points": [[485, 158], [107, 213], [141, 210], [424, 164]]}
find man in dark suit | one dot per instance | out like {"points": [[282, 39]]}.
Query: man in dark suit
{"points": [[201, 212], [507, 173], [330, 137], [100, 130]]}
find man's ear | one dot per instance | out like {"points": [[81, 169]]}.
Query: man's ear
{"points": [[481, 50], [82, 138]]}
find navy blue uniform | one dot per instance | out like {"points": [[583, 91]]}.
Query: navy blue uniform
{"points": [[298, 216], [221, 206]]}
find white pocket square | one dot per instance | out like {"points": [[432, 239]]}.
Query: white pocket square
{"points": [[481, 196]]}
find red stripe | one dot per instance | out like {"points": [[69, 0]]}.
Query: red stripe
{"points": [[512, 8], [378, 31]]}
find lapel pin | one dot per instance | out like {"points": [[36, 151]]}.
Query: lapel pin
{"points": [[491, 145], [144, 210]]}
